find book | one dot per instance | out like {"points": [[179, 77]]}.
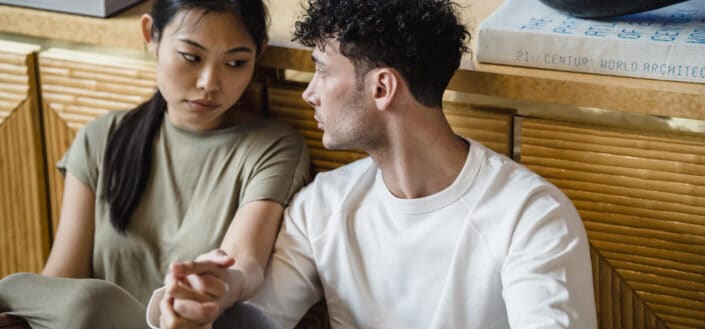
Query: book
{"points": [[665, 44], [98, 8]]}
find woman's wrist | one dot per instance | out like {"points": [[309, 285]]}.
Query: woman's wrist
{"points": [[243, 280]]}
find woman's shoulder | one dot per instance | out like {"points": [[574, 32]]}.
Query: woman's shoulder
{"points": [[104, 124], [262, 129]]}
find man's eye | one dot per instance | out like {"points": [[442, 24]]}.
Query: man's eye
{"points": [[189, 57]]}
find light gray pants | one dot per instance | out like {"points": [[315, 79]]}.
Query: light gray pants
{"points": [[59, 303]]}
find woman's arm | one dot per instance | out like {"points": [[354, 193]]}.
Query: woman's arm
{"points": [[250, 239], [197, 292], [70, 255]]}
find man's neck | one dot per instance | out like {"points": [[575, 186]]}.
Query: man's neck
{"points": [[422, 157]]}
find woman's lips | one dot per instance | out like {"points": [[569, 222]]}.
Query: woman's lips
{"points": [[201, 105]]}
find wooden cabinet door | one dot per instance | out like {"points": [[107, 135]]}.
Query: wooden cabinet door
{"points": [[641, 196], [77, 87], [24, 224]]}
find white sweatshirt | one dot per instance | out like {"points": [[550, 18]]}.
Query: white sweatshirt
{"points": [[499, 248]]}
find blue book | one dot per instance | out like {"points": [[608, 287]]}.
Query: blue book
{"points": [[665, 44]]}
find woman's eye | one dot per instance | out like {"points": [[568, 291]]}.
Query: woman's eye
{"points": [[236, 63], [189, 57]]}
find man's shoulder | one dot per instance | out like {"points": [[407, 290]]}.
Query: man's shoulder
{"points": [[346, 174], [504, 178], [329, 192], [338, 181], [330, 187]]}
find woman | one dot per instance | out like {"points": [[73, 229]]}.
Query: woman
{"points": [[178, 176]]}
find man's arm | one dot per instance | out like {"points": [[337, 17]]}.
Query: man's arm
{"points": [[546, 276], [291, 282]]}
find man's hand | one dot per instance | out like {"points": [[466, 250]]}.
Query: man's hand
{"points": [[197, 292]]}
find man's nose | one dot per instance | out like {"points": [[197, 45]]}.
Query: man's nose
{"points": [[309, 95]]}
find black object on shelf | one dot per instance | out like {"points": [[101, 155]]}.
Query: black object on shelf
{"points": [[606, 8]]}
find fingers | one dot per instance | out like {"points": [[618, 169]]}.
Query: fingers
{"points": [[199, 267], [168, 319], [217, 256], [183, 291], [197, 312], [208, 285]]}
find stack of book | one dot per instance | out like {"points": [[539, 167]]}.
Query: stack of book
{"points": [[665, 44]]}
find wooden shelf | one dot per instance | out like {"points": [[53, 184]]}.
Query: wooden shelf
{"points": [[663, 98], [121, 30]]}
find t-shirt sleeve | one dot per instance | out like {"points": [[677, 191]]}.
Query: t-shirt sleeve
{"points": [[279, 171], [82, 159]]}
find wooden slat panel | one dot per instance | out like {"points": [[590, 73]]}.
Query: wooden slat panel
{"points": [[24, 224], [618, 305], [642, 199], [490, 126], [77, 87], [14, 79]]}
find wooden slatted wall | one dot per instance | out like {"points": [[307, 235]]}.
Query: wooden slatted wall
{"points": [[490, 126], [642, 199], [24, 235]]}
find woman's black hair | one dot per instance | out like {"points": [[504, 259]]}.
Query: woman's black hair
{"points": [[128, 157]]}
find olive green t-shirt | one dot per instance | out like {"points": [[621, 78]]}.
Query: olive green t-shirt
{"points": [[197, 182]]}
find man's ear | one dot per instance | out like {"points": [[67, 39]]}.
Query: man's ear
{"points": [[387, 83], [147, 25]]}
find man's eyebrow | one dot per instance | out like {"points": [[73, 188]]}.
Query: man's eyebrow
{"points": [[233, 50]]}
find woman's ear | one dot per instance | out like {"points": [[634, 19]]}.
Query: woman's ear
{"points": [[147, 24], [386, 87]]}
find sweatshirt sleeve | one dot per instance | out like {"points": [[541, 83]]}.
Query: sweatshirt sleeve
{"points": [[546, 276], [291, 283]]}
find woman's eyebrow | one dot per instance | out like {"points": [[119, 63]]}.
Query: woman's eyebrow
{"points": [[232, 50]]}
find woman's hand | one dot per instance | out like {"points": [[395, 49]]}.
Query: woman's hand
{"points": [[197, 292]]}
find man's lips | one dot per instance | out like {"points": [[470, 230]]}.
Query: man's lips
{"points": [[320, 124]]}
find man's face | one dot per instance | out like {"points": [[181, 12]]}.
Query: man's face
{"points": [[343, 109]]}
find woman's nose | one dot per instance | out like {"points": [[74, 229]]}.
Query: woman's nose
{"points": [[209, 79]]}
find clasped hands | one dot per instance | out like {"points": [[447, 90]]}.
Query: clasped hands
{"points": [[198, 291]]}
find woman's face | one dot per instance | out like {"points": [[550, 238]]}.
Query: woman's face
{"points": [[204, 64]]}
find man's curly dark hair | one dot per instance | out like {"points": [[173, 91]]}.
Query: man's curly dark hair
{"points": [[422, 39]]}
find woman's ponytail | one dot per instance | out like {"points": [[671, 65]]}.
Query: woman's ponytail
{"points": [[128, 160]]}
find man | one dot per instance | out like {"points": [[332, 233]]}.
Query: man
{"points": [[432, 230]]}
